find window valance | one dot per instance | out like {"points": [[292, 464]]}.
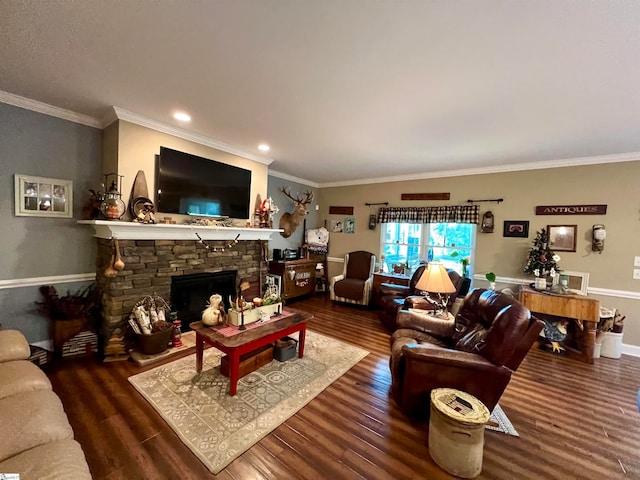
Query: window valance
{"points": [[444, 214]]}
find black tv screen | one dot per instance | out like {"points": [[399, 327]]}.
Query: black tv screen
{"points": [[193, 185]]}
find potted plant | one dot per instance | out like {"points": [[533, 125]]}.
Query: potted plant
{"points": [[491, 278], [79, 304], [70, 314]]}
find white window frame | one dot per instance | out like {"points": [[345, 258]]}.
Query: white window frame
{"points": [[424, 246]]}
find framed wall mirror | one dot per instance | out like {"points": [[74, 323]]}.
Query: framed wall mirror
{"points": [[43, 197], [562, 238]]}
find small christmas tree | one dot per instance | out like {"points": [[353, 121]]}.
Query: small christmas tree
{"points": [[542, 261]]}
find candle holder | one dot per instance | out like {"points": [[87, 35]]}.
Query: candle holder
{"points": [[244, 286]]}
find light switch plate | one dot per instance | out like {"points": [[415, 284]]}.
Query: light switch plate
{"points": [[636, 261], [636, 273]]}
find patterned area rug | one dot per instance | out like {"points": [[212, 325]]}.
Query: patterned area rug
{"points": [[504, 424], [218, 428]]}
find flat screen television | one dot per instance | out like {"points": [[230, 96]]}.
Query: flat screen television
{"points": [[193, 185]]}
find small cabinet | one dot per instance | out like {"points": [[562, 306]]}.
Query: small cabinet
{"points": [[298, 277]]}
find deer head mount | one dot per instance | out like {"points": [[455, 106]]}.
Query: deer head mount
{"points": [[290, 221]]}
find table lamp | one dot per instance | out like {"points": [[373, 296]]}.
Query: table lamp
{"points": [[437, 286]]}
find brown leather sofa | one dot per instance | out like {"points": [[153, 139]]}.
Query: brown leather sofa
{"points": [[476, 353], [393, 298]]}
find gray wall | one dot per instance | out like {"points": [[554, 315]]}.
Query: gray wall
{"points": [[286, 205], [40, 145]]}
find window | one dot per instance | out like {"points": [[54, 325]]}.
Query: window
{"points": [[413, 243]]}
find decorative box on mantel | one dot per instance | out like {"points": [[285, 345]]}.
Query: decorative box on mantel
{"points": [[140, 231]]}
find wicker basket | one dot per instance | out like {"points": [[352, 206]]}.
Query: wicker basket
{"points": [[153, 343]]}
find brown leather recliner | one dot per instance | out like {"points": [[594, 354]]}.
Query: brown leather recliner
{"points": [[476, 353], [393, 298]]}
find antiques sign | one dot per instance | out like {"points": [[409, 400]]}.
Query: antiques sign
{"points": [[572, 210]]}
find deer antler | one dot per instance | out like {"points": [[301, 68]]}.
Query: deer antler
{"points": [[308, 196], [285, 190]]}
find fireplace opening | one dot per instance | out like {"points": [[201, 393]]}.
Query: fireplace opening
{"points": [[190, 293]]}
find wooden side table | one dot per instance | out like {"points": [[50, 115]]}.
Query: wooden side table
{"points": [[585, 310]]}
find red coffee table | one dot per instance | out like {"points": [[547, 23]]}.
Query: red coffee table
{"points": [[248, 340]]}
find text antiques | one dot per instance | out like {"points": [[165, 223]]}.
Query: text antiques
{"points": [[571, 210]]}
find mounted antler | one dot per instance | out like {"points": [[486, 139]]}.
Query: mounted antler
{"points": [[290, 221]]}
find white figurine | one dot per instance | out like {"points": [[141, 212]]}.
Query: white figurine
{"points": [[214, 313]]}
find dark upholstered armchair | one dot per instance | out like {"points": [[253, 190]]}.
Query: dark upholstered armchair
{"points": [[355, 283], [393, 298], [476, 353]]}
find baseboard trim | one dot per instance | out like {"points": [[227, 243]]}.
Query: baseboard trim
{"points": [[632, 350], [37, 281]]}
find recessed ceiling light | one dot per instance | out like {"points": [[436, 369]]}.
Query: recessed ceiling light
{"points": [[264, 147], [182, 117]]}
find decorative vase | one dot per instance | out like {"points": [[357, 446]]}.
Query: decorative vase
{"points": [[112, 207], [540, 283]]}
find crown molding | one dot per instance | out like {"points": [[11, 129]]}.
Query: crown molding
{"points": [[566, 162], [291, 178], [35, 106], [122, 114]]}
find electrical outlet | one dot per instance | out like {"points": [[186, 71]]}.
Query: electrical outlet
{"points": [[636, 261], [636, 273]]}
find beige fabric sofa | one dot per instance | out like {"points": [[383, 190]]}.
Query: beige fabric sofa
{"points": [[37, 440]]}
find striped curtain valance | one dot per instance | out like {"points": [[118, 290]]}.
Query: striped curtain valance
{"points": [[445, 214]]}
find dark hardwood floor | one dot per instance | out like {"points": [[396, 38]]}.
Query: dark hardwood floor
{"points": [[576, 421]]}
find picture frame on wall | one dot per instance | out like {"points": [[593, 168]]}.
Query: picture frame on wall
{"points": [[349, 225], [336, 226], [562, 238], [43, 197], [516, 228]]}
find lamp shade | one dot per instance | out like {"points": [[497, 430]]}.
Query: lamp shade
{"points": [[435, 279]]}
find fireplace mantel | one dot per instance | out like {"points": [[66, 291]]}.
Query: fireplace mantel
{"points": [[162, 231]]}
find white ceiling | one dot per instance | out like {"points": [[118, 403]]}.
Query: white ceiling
{"points": [[346, 90]]}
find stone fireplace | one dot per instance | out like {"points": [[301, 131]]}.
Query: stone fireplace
{"points": [[152, 264]]}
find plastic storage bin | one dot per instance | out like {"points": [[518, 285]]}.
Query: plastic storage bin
{"points": [[285, 349], [611, 345]]}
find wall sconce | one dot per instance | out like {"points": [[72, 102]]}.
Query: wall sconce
{"points": [[487, 222], [598, 234]]}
